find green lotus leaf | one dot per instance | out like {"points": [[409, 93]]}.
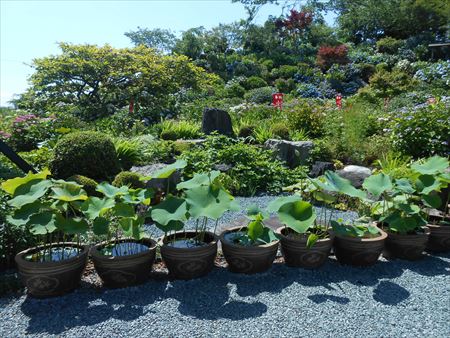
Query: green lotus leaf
{"points": [[11, 185], [404, 185], [22, 216], [171, 209], [268, 236], [298, 216], [29, 192], [199, 180], [124, 210], [100, 226], [94, 207], [427, 183], [132, 227], [432, 200], [71, 226], [431, 166], [139, 196], [69, 192], [373, 230], [377, 184], [255, 213], [170, 169], [342, 185], [111, 191], [322, 196], [208, 201], [171, 226], [275, 205], [255, 229], [42, 223]]}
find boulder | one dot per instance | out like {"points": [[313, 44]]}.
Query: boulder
{"points": [[158, 183], [216, 120], [294, 153], [355, 174], [319, 168]]}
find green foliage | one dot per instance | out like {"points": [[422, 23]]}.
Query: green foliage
{"points": [[174, 130], [395, 165], [354, 229], [254, 82], [306, 115], [387, 84], [88, 184], [89, 154], [280, 130], [389, 45], [421, 132], [246, 131], [260, 95], [129, 152], [285, 86], [129, 179], [38, 158]]}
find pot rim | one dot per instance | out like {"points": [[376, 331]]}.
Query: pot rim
{"points": [[237, 228], [163, 244], [280, 229], [20, 257], [383, 236], [96, 252]]}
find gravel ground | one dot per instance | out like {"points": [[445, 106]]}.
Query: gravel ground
{"points": [[390, 299]]}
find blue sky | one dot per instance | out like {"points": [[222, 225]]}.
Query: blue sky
{"points": [[31, 28]]}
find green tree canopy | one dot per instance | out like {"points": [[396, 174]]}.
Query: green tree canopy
{"points": [[97, 81]]}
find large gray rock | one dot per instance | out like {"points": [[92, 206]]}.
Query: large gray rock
{"points": [[158, 183], [294, 153], [319, 168], [216, 120], [355, 174]]}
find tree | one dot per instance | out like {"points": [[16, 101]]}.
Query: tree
{"points": [[161, 39], [371, 19], [99, 80]]}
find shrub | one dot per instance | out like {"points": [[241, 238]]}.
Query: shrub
{"points": [[88, 153], [38, 158], [174, 130], [421, 132], [129, 179], [387, 84], [89, 185], [437, 74], [366, 70], [129, 152], [254, 82], [159, 151], [285, 86], [287, 71], [234, 90], [306, 115], [260, 95], [280, 130], [329, 55], [246, 131], [389, 45], [121, 123]]}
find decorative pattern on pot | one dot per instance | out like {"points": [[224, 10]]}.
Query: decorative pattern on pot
{"points": [[48, 279], [189, 263], [409, 247], [297, 254], [247, 259], [359, 251], [122, 271]]}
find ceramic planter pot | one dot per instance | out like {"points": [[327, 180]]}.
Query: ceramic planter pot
{"points": [[358, 251], [123, 271], [296, 254], [439, 240], [247, 259], [409, 247], [189, 263], [49, 279]]}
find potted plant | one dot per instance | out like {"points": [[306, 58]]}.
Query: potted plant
{"points": [[400, 216], [250, 248], [126, 255], [432, 179], [50, 209], [191, 253]]}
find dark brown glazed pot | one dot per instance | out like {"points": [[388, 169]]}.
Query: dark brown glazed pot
{"points": [[358, 251], [296, 254], [247, 259], [439, 240], [189, 263], [49, 279], [123, 271], [409, 247]]}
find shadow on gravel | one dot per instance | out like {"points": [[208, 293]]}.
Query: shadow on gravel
{"points": [[390, 293], [321, 298], [56, 315]]}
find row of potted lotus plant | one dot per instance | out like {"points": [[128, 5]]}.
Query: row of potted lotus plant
{"points": [[65, 218]]}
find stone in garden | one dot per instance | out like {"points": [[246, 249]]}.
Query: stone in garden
{"points": [[319, 168], [216, 120], [222, 167], [158, 183], [294, 153], [355, 174]]}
